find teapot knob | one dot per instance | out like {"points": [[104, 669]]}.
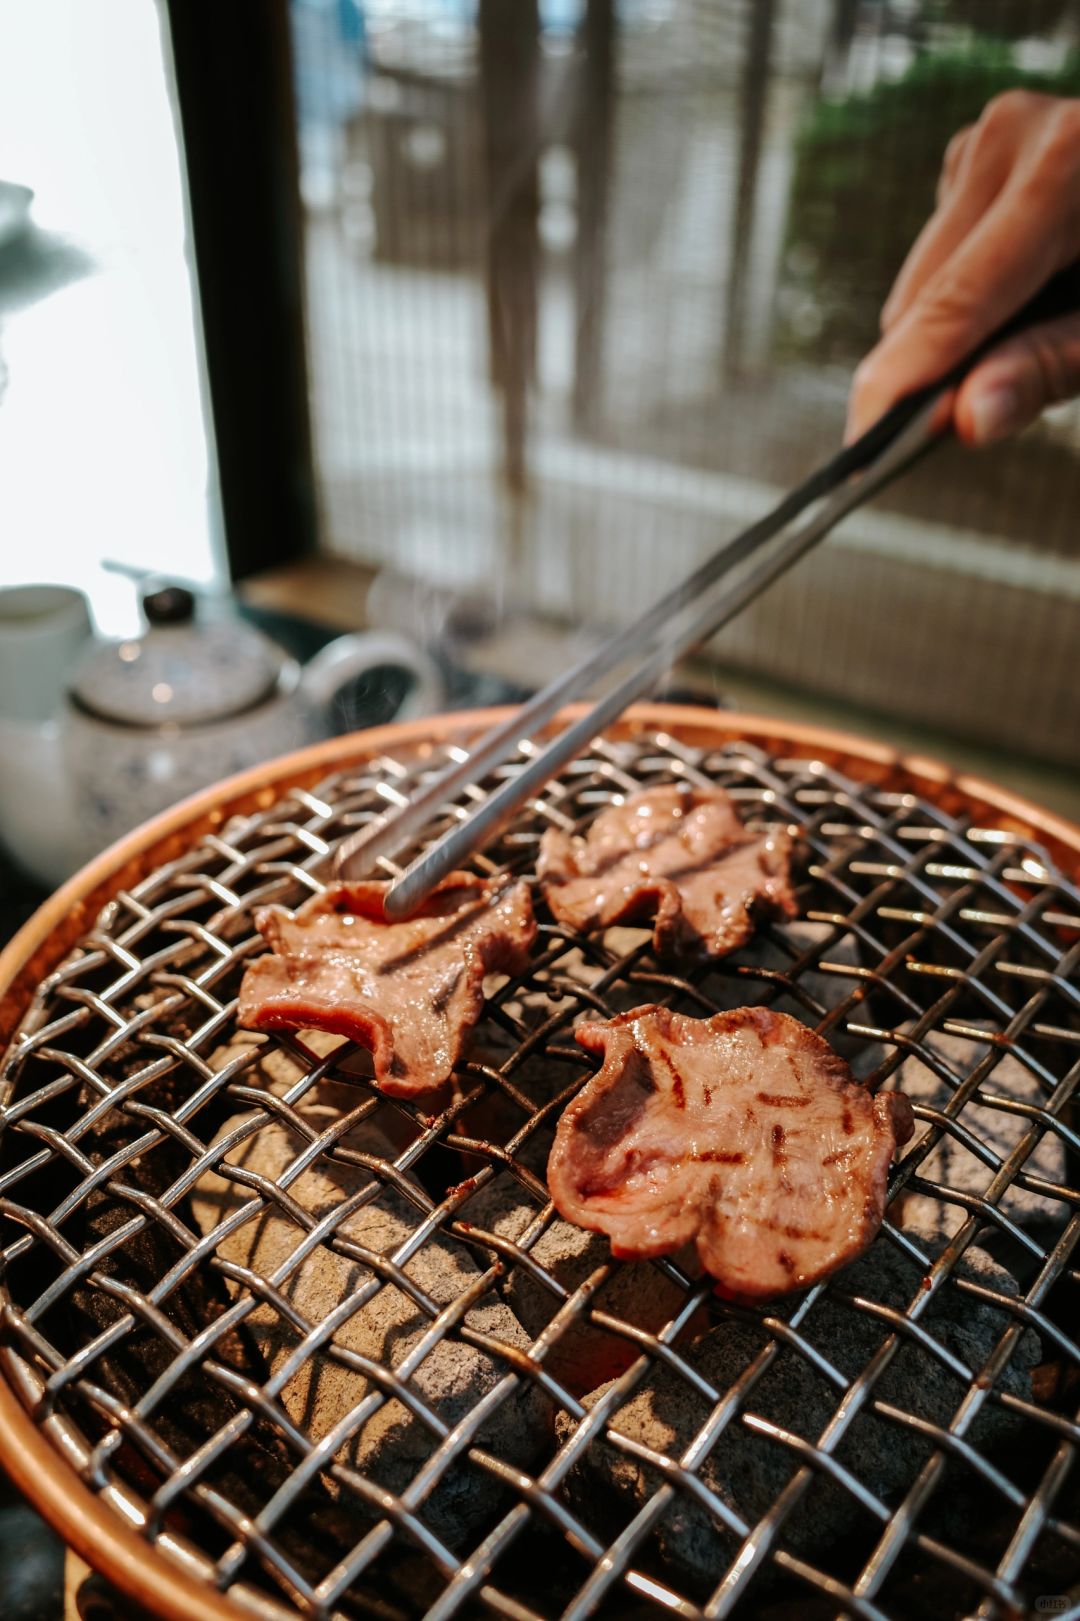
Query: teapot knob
{"points": [[170, 605]]}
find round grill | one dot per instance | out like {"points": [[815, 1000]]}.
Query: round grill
{"points": [[336, 1355]]}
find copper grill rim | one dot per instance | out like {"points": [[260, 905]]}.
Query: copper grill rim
{"points": [[86, 1522]]}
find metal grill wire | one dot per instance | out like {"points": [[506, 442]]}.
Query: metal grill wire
{"points": [[920, 929]]}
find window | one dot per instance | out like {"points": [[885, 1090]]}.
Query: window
{"points": [[585, 287], [104, 447]]}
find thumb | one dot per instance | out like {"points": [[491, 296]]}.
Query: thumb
{"points": [[1015, 382]]}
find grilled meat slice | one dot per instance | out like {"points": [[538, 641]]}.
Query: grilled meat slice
{"points": [[744, 1133], [409, 991], [680, 856]]}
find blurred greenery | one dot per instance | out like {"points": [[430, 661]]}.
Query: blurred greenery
{"points": [[865, 173]]}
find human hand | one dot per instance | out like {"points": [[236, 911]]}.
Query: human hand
{"points": [[1007, 217]]}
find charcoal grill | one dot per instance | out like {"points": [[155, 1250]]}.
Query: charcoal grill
{"points": [[939, 935]]}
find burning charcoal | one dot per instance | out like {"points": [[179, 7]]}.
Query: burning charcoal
{"points": [[637, 1293], [782, 944], [392, 1444], [952, 1165], [747, 1471]]}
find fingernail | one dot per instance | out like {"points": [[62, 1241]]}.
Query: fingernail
{"points": [[995, 413]]}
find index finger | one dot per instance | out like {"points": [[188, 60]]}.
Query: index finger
{"points": [[972, 189], [1006, 258]]}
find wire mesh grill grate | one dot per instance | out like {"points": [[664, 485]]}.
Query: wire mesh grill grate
{"points": [[338, 1353]]}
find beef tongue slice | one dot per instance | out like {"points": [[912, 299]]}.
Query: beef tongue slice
{"points": [[744, 1134], [681, 856]]}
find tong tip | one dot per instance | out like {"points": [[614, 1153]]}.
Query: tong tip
{"points": [[406, 893]]}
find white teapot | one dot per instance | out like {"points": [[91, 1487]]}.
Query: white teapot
{"points": [[149, 720]]}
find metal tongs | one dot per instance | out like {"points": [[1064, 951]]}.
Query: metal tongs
{"points": [[693, 611]]}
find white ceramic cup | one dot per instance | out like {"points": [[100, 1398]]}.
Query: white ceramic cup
{"points": [[42, 629]]}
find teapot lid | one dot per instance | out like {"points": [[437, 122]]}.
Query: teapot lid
{"points": [[179, 672]]}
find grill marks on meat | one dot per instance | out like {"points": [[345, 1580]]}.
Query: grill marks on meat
{"points": [[409, 991], [681, 857], [744, 1133]]}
